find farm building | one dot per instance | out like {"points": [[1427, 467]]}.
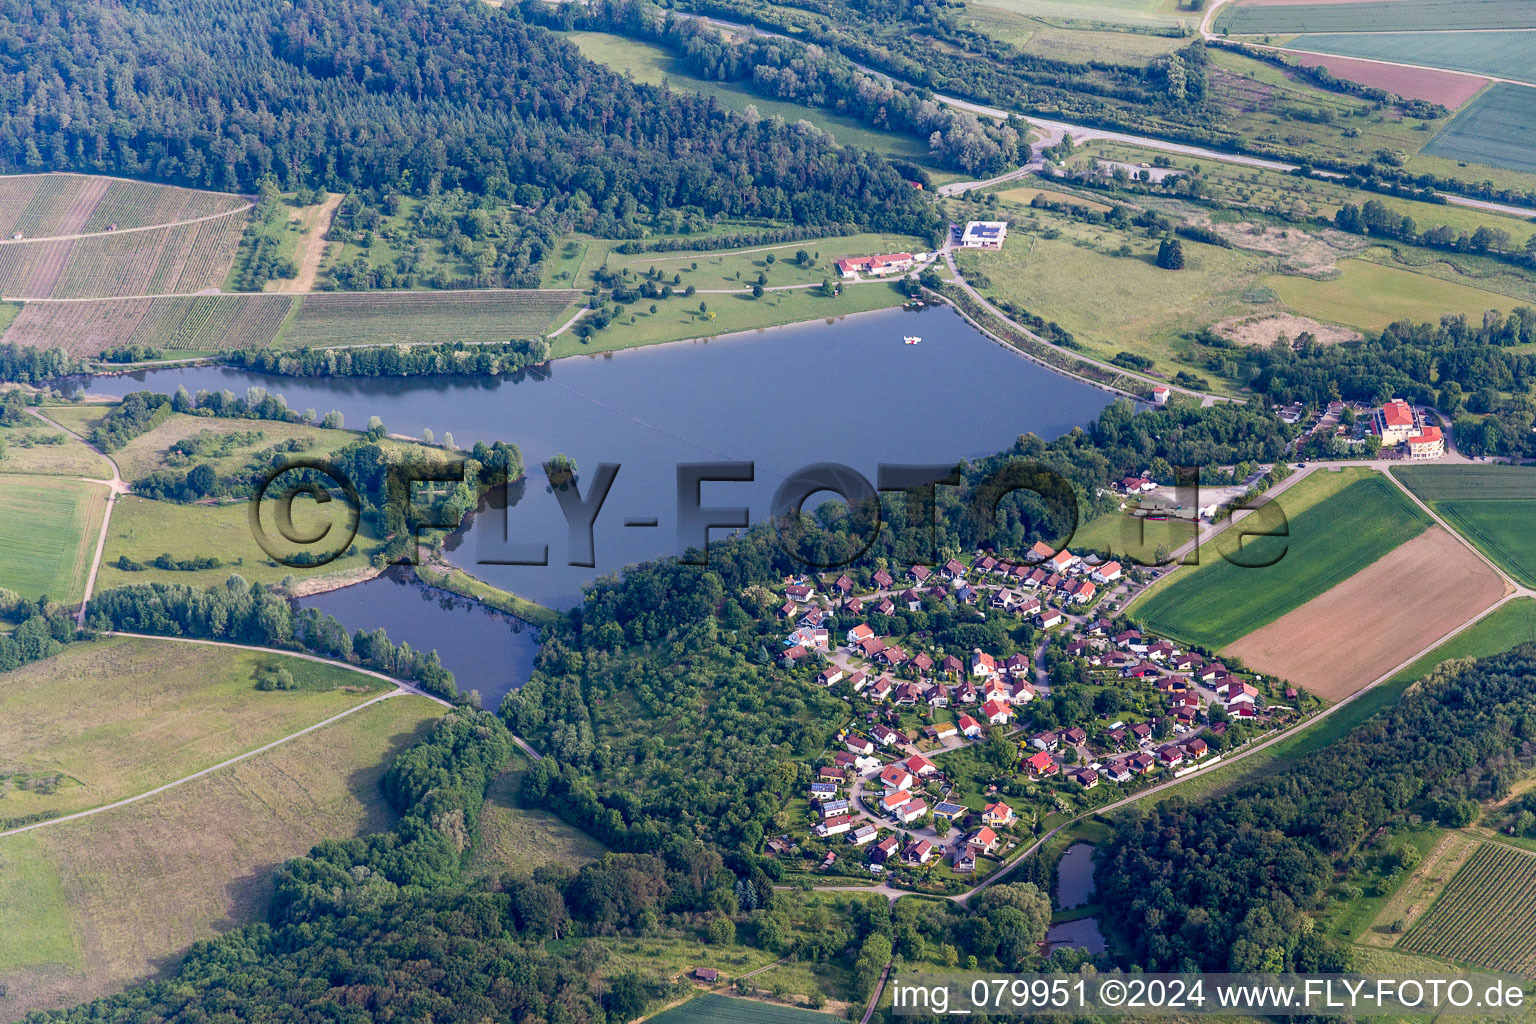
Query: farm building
{"points": [[984, 234]]}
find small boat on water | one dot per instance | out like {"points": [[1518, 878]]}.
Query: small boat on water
{"points": [[911, 339]]}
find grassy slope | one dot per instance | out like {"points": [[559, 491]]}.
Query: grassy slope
{"points": [[1370, 296], [516, 838], [133, 887], [48, 530], [121, 716], [68, 459], [1218, 602]]}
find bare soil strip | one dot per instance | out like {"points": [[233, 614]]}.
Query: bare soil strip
{"points": [[312, 245], [83, 205], [1341, 640]]}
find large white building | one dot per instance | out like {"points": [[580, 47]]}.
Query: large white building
{"points": [[1396, 422], [984, 234]]}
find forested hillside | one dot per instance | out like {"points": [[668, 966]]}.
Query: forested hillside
{"points": [[406, 94]]}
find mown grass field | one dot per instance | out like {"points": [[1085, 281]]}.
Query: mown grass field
{"points": [[143, 530], [117, 897], [740, 268], [515, 838], [1218, 602], [1142, 13], [1485, 916], [1501, 54], [1403, 15], [120, 716], [1492, 506], [1127, 535], [147, 452], [25, 452], [48, 530], [1138, 307], [1369, 296], [1498, 127]]}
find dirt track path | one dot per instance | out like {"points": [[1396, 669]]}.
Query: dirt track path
{"points": [[312, 245], [116, 486], [129, 231]]}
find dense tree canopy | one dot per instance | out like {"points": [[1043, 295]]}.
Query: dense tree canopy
{"points": [[401, 93]]}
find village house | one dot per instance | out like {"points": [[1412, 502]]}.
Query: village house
{"points": [[881, 688], [1048, 740], [1106, 573], [832, 808], [1085, 777], [1161, 393], [910, 811], [953, 569], [1041, 765], [920, 766], [1171, 757], [883, 579], [969, 727], [857, 681], [876, 266], [1141, 732], [983, 841], [830, 676], [858, 634], [1022, 692], [922, 663], [1116, 771], [996, 712], [853, 605], [1049, 617], [951, 666], [836, 776], [1039, 551], [949, 811], [1429, 443], [885, 735], [1017, 665], [895, 777], [1395, 422], [963, 693], [800, 592], [1140, 763], [982, 663], [793, 656], [1196, 748], [907, 694], [885, 849], [998, 815], [859, 745], [820, 790], [1237, 692], [917, 853], [1074, 737], [834, 826], [863, 834], [886, 607], [1080, 591]]}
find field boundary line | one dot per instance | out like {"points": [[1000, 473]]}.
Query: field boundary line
{"points": [[1514, 588]]}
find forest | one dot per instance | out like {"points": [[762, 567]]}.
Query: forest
{"points": [[1224, 885], [408, 94]]}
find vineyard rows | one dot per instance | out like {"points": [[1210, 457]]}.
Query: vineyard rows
{"points": [[1486, 916], [189, 258], [40, 205], [394, 318], [202, 323]]}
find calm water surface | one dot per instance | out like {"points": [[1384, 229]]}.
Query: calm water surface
{"points": [[847, 391], [1074, 876], [485, 650]]}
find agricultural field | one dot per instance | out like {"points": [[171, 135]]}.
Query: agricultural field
{"points": [[108, 720], [1344, 639], [189, 324], [1499, 54], [106, 900], [48, 530], [715, 1009], [1024, 196], [44, 205], [1446, 88], [1143, 14], [1398, 15], [1370, 295], [1512, 624], [515, 838], [1485, 916], [29, 448], [1492, 506], [1274, 106], [1497, 128], [183, 259], [1328, 541], [403, 318]]}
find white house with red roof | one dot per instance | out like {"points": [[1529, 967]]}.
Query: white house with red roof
{"points": [[998, 814], [982, 663], [896, 778], [910, 811], [891, 801], [835, 826], [1428, 444], [920, 766], [997, 712], [1237, 692], [858, 634], [969, 727], [876, 266], [1107, 573]]}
